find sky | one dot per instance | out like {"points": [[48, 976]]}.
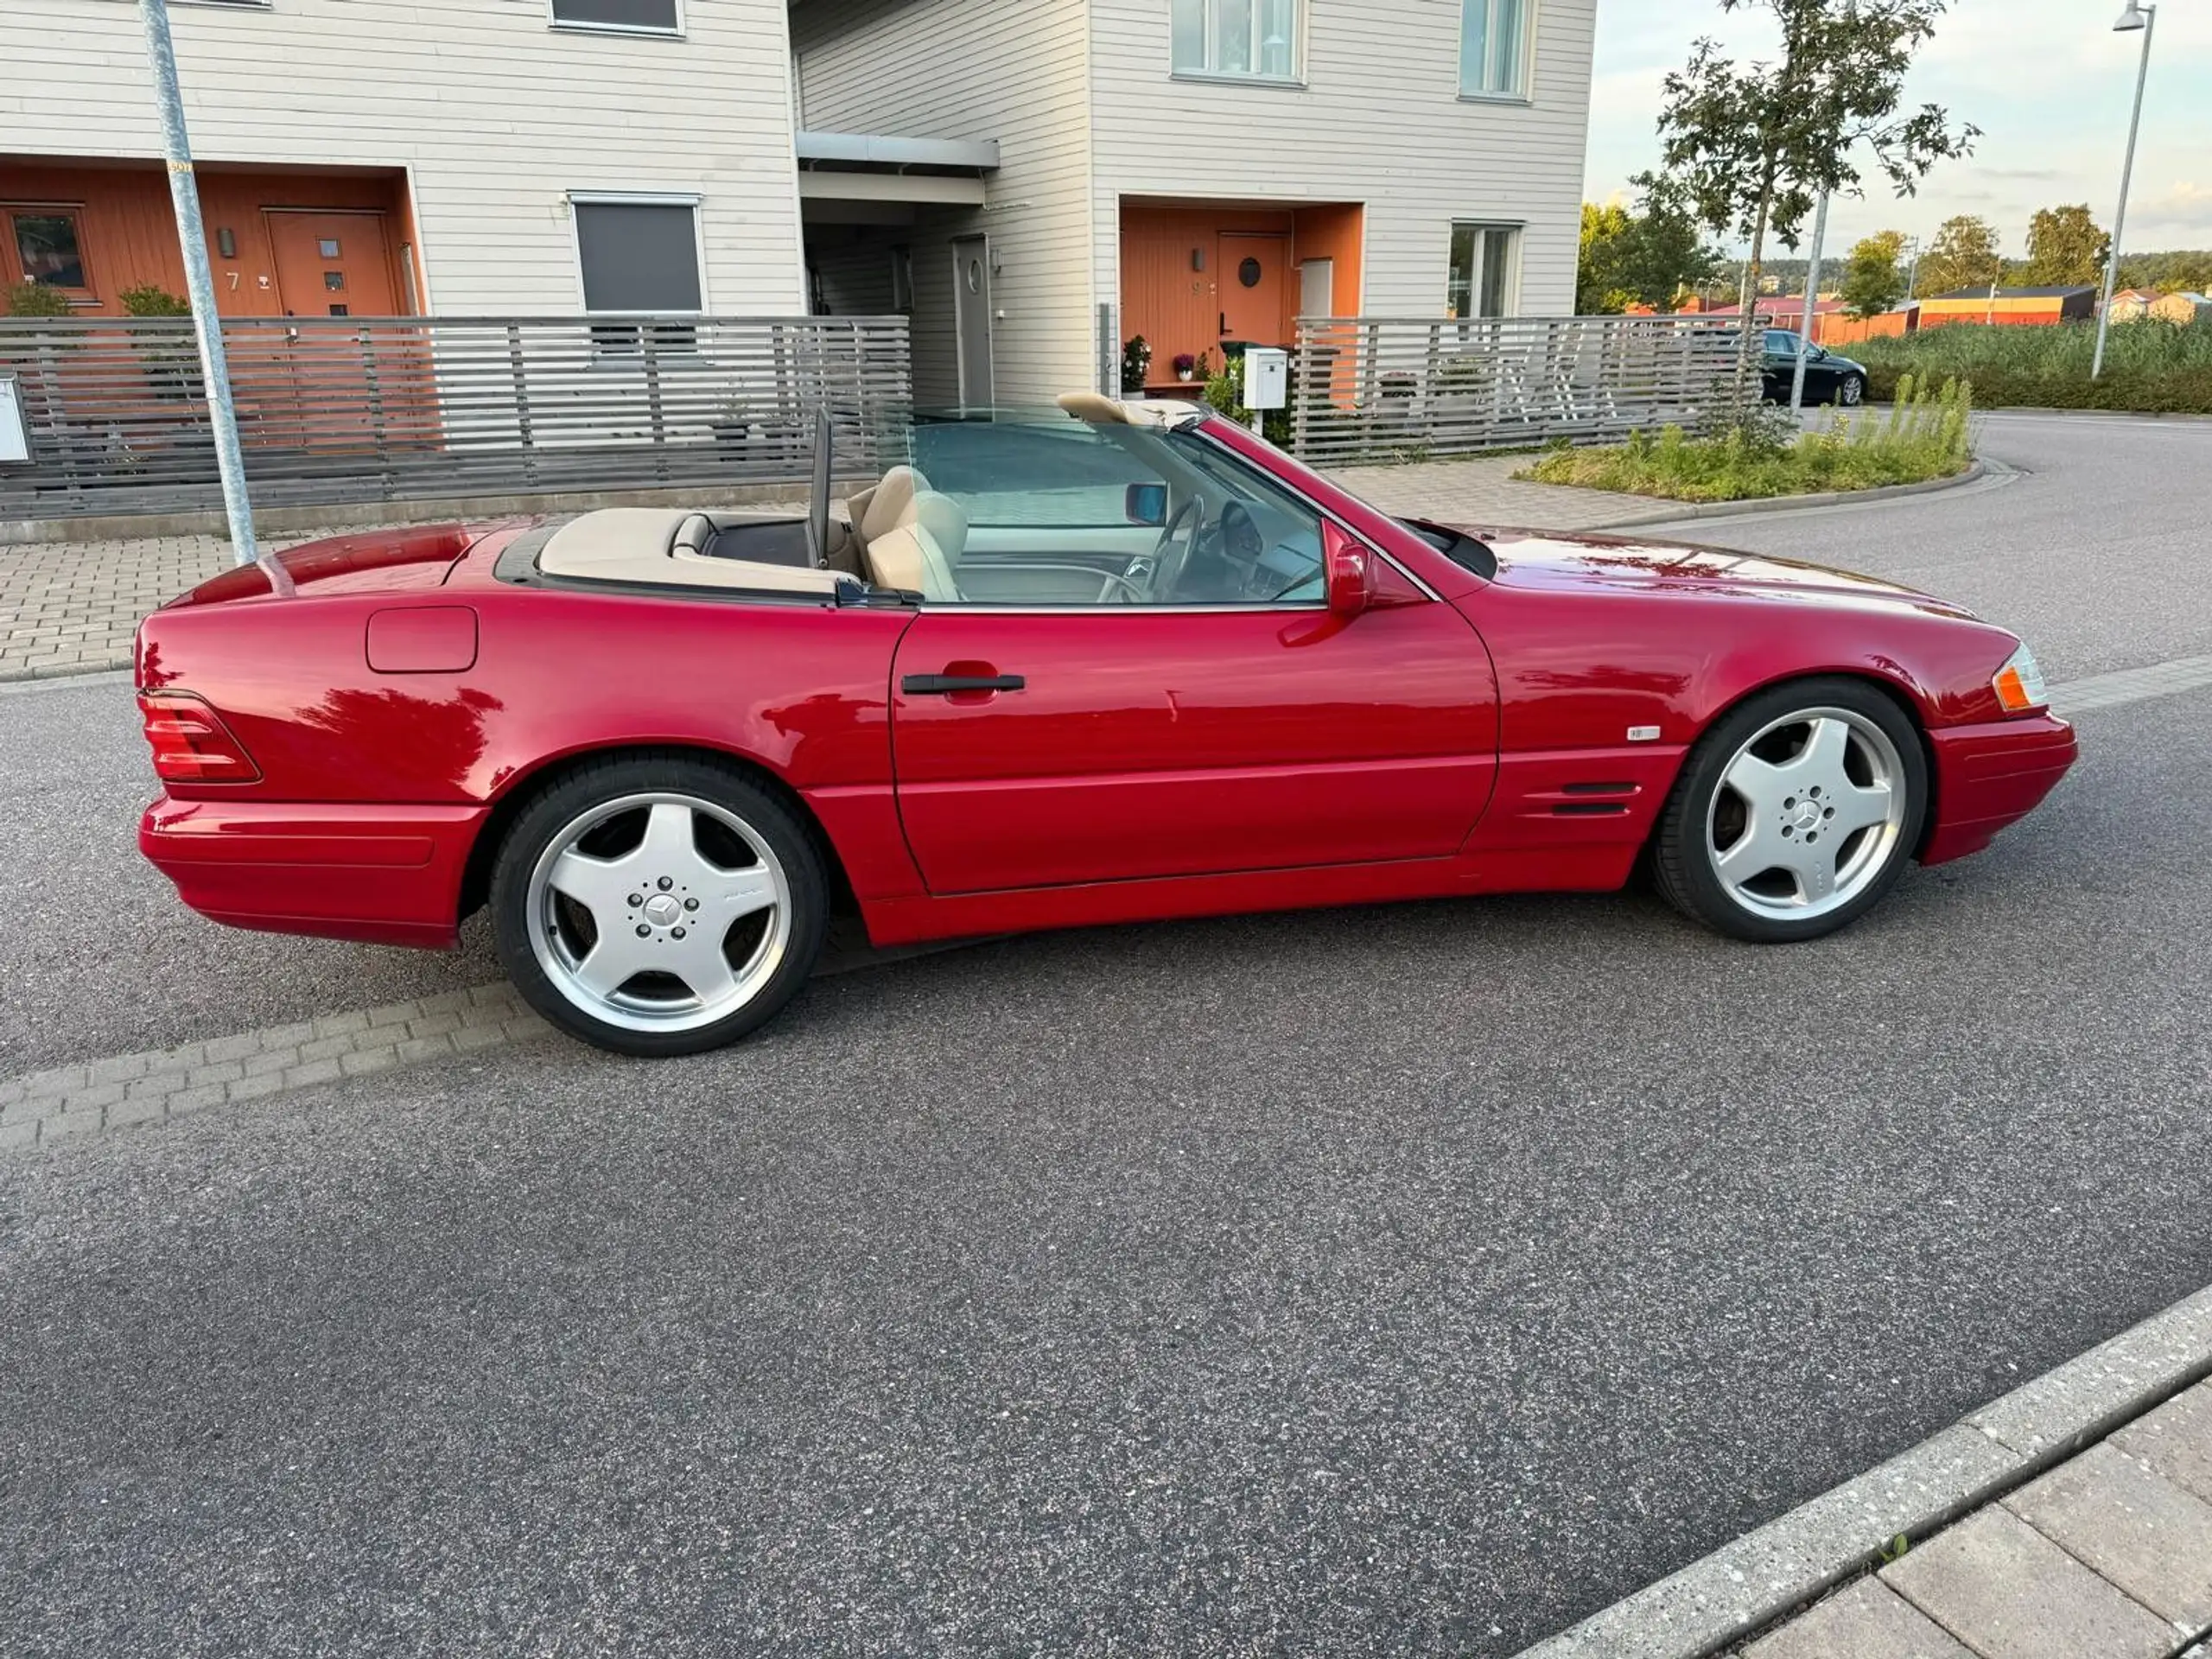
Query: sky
{"points": [[2047, 81]]}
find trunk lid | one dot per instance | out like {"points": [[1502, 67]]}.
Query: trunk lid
{"points": [[377, 561]]}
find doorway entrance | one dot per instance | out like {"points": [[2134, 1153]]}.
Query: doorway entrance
{"points": [[971, 313], [1252, 270], [331, 264]]}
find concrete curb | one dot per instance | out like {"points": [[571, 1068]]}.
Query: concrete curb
{"points": [[15, 685], [1681, 512], [1747, 1584], [27, 679], [2180, 417]]}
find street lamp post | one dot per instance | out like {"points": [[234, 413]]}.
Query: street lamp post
{"points": [[200, 284], [1812, 306], [2146, 19]]}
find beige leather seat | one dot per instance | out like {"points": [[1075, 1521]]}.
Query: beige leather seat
{"points": [[910, 557], [878, 511], [947, 520]]}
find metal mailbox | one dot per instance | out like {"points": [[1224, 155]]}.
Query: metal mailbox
{"points": [[1267, 377]]}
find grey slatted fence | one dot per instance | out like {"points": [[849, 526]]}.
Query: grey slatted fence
{"points": [[352, 410], [1413, 388]]}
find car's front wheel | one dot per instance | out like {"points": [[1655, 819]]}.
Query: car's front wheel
{"points": [[658, 905], [1795, 813], [1852, 393]]}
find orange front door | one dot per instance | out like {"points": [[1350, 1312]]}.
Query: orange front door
{"points": [[333, 265], [1250, 274]]}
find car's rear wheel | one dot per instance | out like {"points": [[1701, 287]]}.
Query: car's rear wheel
{"points": [[1852, 393], [1795, 813], [658, 905]]}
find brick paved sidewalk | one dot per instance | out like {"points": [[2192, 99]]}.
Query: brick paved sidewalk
{"points": [[69, 607], [2108, 1557]]}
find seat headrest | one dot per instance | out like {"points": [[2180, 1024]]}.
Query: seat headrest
{"points": [[888, 502]]}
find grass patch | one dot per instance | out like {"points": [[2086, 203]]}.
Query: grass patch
{"points": [[1924, 436], [2150, 366]]}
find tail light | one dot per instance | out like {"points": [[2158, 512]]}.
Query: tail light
{"points": [[191, 744]]}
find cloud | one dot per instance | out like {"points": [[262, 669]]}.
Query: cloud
{"points": [[2183, 206]]}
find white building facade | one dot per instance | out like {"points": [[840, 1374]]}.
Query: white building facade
{"points": [[1033, 184], [1203, 172]]}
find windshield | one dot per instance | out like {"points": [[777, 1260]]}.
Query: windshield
{"points": [[1036, 507]]}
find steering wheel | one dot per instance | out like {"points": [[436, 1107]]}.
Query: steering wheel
{"points": [[1241, 541], [1169, 555]]}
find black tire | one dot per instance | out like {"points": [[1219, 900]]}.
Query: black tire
{"points": [[769, 828], [1684, 854], [1851, 392]]}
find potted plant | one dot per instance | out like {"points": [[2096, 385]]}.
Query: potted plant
{"points": [[1136, 364], [1186, 366]]}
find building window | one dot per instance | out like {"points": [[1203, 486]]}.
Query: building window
{"points": [[1483, 260], [627, 16], [1250, 40], [1494, 48], [49, 249], [640, 258]]}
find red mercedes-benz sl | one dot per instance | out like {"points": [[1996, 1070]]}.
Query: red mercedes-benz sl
{"points": [[1112, 663]]}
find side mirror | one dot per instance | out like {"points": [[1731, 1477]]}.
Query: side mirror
{"points": [[1347, 568], [1146, 504]]}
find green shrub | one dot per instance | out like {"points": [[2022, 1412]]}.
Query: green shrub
{"points": [[1225, 391], [2150, 366], [1924, 436], [151, 299], [36, 299]]}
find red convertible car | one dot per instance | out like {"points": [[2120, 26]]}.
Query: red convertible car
{"points": [[1111, 663]]}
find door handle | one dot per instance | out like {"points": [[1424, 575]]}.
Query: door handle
{"points": [[946, 685]]}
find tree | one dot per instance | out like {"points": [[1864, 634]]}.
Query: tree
{"points": [[1754, 146], [1649, 256], [2066, 248], [1872, 281], [1598, 281], [2167, 272], [1963, 255]]}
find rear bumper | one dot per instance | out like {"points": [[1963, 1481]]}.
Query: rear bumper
{"points": [[1989, 776], [383, 874]]}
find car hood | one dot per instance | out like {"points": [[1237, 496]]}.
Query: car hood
{"points": [[1603, 563]]}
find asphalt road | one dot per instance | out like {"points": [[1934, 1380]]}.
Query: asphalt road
{"points": [[1417, 1277], [2096, 551]]}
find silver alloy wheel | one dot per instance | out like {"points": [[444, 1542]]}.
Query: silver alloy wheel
{"points": [[1809, 814], [1854, 391], [633, 920]]}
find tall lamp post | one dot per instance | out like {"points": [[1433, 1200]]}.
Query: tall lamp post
{"points": [[2144, 18]]}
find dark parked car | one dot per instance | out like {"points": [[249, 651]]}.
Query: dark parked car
{"points": [[1829, 379]]}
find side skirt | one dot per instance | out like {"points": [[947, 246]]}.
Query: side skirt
{"points": [[1599, 868]]}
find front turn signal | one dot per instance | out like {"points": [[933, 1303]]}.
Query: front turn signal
{"points": [[191, 744], [2019, 684]]}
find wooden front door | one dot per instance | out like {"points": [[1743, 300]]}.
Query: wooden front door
{"points": [[1251, 276], [338, 390], [333, 265]]}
